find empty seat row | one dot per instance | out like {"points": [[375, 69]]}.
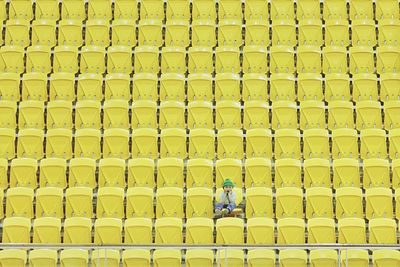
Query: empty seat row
{"points": [[199, 231]]}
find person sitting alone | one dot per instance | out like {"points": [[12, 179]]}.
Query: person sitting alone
{"points": [[227, 201]]}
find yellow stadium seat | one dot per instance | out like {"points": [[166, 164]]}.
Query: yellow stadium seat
{"points": [[281, 59], [13, 257], [59, 114], [43, 257], [308, 10], [361, 9], [169, 202], [227, 87], [108, 231], [111, 173], [172, 86], [173, 59], [227, 59], [386, 10], [312, 115], [146, 59], [199, 257], [319, 203], [144, 114], [47, 230], [115, 114], [310, 31], [287, 144], [282, 10], [228, 168], [363, 32], [260, 231], [335, 9], [78, 202], [140, 172], [168, 231], [230, 33], [351, 231], [230, 9], [200, 60], [38, 60], [199, 173], [261, 257], [378, 203], [258, 202], [344, 143], [385, 257], [258, 143], [172, 115], [53, 172], [106, 257], [287, 172], [62, 86], [254, 59], [73, 9], [16, 230], [117, 86], [92, 60], [170, 172], [230, 143], [394, 140], [139, 202], [136, 257], [361, 60], [340, 115], [199, 87], [17, 32], [228, 115], [373, 144], [138, 231], [126, 9], [173, 143], [346, 173], [349, 203], [256, 10], [256, 31], [31, 114], [119, 59], [282, 87], [389, 30], [365, 87], [59, 143], [49, 202], [145, 86], [8, 112], [199, 202], [289, 202], [202, 143], [199, 231], [284, 33], [3, 179], [65, 59], [70, 32], [123, 31], [230, 257], [204, 10], [99, 9], [391, 121], [321, 230], [309, 59], [334, 59], [97, 32], [87, 114], [19, 203], [315, 143], [144, 143], [30, 143], [21, 10], [203, 33], [150, 32], [47, 9], [74, 257], [177, 32], [284, 115], [337, 87], [10, 86], [225, 228], [258, 172], [167, 257], [87, 143], [376, 173], [324, 257], [337, 32], [254, 87], [23, 172], [12, 59], [82, 172], [356, 257], [110, 202], [387, 59], [44, 32], [115, 143], [200, 115], [78, 230], [395, 174], [152, 9], [290, 231]]}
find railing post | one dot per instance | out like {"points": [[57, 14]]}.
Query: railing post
{"points": [[226, 256], [339, 258], [347, 257]]}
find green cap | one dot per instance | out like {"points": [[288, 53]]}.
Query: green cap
{"points": [[228, 182]]}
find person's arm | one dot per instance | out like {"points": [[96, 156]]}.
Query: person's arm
{"points": [[232, 202], [219, 205]]}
